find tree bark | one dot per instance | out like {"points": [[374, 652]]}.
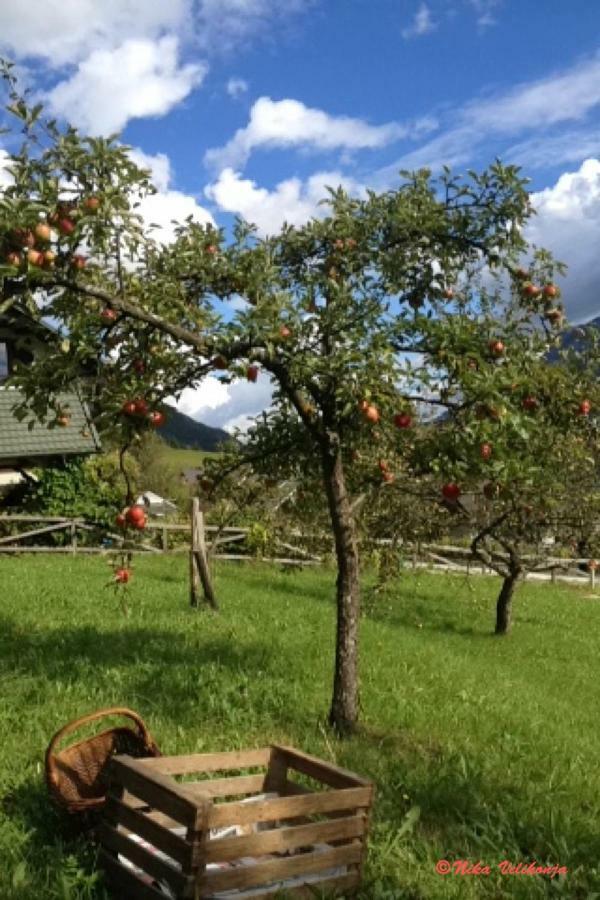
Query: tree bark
{"points": [[343, 715], [504, 603]]}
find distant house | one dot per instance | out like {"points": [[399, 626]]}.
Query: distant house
{"points": [[23, 447], [156, 505]]}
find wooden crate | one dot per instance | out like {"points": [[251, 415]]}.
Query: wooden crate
{"points": [[171, 829]]}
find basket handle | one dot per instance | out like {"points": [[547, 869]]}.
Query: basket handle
{"points": [[100, 714]]}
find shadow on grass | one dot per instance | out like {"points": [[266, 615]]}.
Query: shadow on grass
{"points": [[184, 679]]}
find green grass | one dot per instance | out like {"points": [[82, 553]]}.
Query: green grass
{"points": [[481, 748], [179, 458]]}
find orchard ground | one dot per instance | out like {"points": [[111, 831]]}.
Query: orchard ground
{"points": [[482, 748]]}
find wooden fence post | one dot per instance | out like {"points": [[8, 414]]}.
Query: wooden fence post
{"points": [[73, 537], [199, 571]]}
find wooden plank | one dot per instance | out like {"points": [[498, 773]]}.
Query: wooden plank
{"points": [[13, 538], [117, 841], [18, 517], [278, 869], [119, 813], [330, 887], [154, 814], [321, 770], [289, 807], [278, 839], [209, 762], [158, 790], [239, 785], [124, 882]]}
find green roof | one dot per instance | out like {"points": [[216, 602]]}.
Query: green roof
{"points": [[19, 442]]}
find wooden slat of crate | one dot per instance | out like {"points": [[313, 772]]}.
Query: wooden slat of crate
{"points": [[124, 883], [111, 839], [226, 787], [149, 813], [118, 813], [322, 771], [288, 807], [331, 887], [156, 789], [278, 839], [209, 762], [279, 869]]}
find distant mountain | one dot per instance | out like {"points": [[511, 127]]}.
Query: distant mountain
{"points": [[180, 430], [574, 338]]}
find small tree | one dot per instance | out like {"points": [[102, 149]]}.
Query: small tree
{"points": [[354, 316]]}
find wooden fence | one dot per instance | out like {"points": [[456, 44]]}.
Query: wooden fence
{"points": [[162, 533], [160, 537]]}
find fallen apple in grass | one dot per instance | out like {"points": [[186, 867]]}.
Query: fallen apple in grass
{"points": [[122, 576], [451, 491]]}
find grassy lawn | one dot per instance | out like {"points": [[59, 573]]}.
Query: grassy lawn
{"points": [[179, 458], [482, 748]]}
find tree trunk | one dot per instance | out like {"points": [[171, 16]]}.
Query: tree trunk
{"points": [[343, 714], [504, 603]]}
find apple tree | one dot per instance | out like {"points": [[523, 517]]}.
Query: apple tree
{"points": [[382, 303]]}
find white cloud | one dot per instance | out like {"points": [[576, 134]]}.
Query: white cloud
{"points": [[568, 223], [68, 31], [137, 79], [292, 201], [167, 204], [226, 406], [5, 177], [542, 105], [236, 87], [289, 123], [65, 32], [422, 23], [484, 10], [546, 151]]}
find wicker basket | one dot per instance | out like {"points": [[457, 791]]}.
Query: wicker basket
{"points": [[75, 776]]}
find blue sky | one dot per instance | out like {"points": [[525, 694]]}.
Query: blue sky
{"points": [[251, 106]]}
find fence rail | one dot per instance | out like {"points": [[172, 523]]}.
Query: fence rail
{"points": [[429, 556]]}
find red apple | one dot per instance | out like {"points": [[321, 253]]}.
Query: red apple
{"points": [[451, 491], [141, 407], [448, 294], [551, 291], [402, 420], [43, 232], [485, 451], [496, 348], [22, 237], [530, 403], [65, 226], [252, 373], [350, 243], [49, 259], [122, 576], [584, 408], [79, 261], [284, 331], [91, 204], [211, 249], [35, 258], [389, 477], [531, 290], [129, 408], [13, 258], [157, 419], [383, 466], [371, 413], [108, 315], [120, 521], [136, 516]]}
